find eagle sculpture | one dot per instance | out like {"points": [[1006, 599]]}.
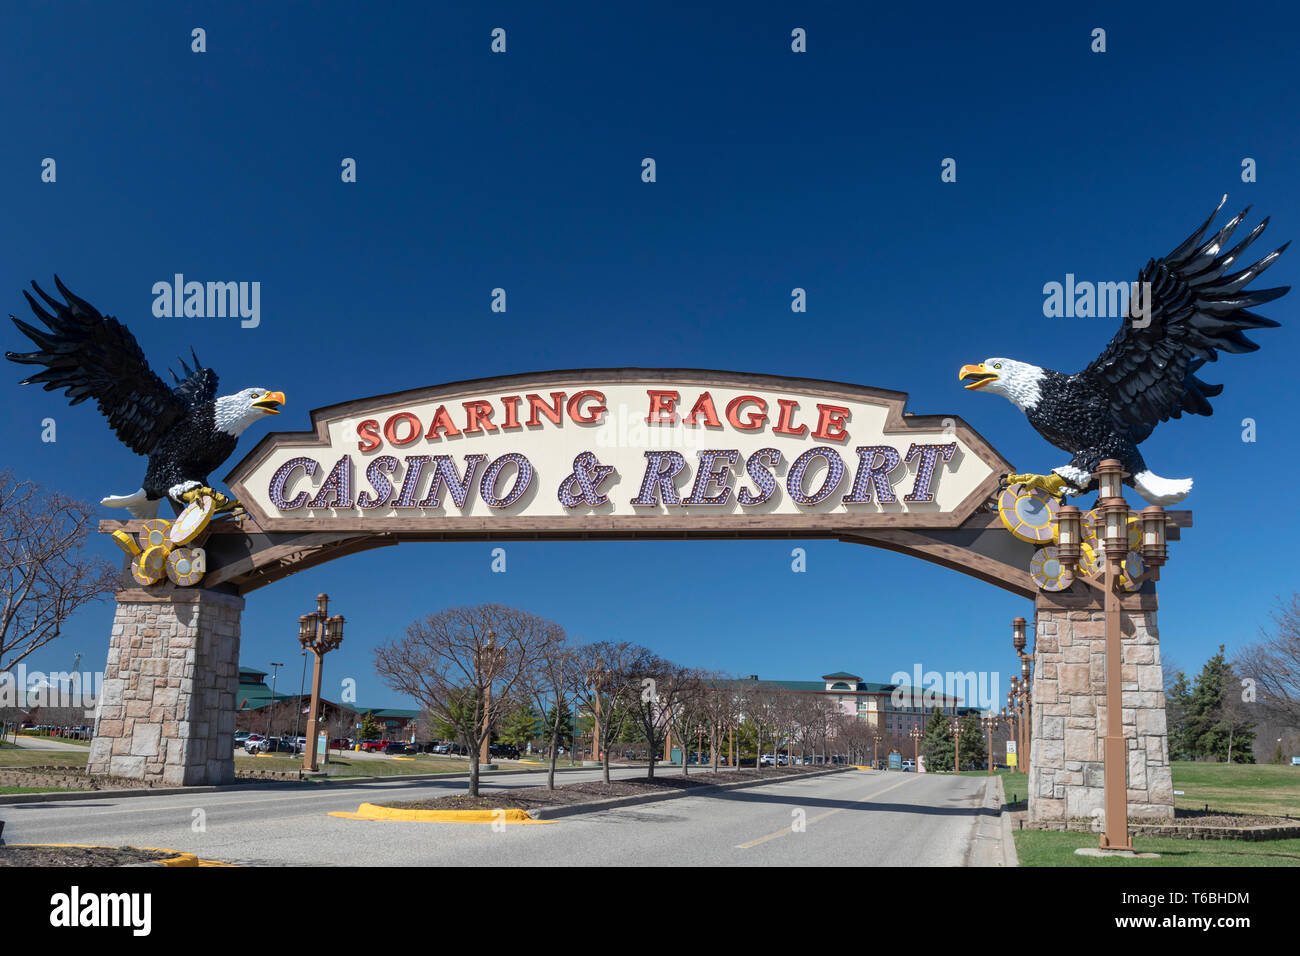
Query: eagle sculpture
{"points": [[186, 431], [1147, 374]]}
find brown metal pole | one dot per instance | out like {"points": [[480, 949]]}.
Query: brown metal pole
{"points": [[1116, 836], [309, 751]]}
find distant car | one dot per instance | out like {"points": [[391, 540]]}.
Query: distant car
{"points": [[253, 743], [442, 748], [909, 766], [371, 746], [241, 736], [504, 751], [394, 747]]}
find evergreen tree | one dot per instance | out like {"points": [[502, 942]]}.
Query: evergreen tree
{"points": [[370, 729], [1178, 701], [1217, 726], [937, 743], [566, 724], [974, 749], [521, 726]]}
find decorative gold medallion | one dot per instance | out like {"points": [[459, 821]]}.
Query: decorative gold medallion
{"points": [[154, 532], [191, 522], [185, 566], [1048, 571], [150, 566], [1029, 515], [126, 543]]}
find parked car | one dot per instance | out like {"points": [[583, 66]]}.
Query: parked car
{"points": [[241, 736], [253, 743], [372, 746], [504, 751], [909, 765]]}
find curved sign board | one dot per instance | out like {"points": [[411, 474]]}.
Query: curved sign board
{"points": [[620, 452]]}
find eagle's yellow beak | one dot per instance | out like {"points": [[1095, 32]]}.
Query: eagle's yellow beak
{"points": [[981, 376], [270, 402]]}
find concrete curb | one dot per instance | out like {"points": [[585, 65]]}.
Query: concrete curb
{"points": [[254, 784], [552, 813], [1009, 855]]}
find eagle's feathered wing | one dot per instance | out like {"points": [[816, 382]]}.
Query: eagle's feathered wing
{"points": [[95, 356], [1196, 310]]}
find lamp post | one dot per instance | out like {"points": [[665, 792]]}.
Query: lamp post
{"points": [[270, 709], [302, 684], [1018, 641], [1113, 511], [490, 660], [320, 634], [915, 734], [956, 745], [875, 751], [990, 720]]}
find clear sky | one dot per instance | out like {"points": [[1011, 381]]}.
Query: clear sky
{"points": [[522, 170]]}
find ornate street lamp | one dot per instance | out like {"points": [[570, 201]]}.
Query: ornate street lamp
{"points": [[956, 745], [875, 751], [915, 734], [1113, 510], [320, 634], [990, 720]]}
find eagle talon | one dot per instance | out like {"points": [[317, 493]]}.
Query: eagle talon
{"points": [[1054, 485]]}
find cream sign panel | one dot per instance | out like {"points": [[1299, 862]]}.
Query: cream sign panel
{"points": [[549, 451]]}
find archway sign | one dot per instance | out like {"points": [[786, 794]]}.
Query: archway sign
{"points": [[610, 454]]}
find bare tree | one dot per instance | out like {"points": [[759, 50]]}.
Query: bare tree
{"points": [[45, 574], [1274, 664], [721, 705], [688, 717], [605, 681], [549, 687], [663, 685], [459, 663]]}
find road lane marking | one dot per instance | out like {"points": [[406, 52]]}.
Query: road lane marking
{"points": [[821, 816]]}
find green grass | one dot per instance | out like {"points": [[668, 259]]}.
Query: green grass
{"points": [[8, 790], [1051, 848], [360, 766], [1014, 784], [1269, 789], [18, 757]]}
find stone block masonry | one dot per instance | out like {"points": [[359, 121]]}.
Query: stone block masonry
{"points": [[166, 714], [1068, 716]]}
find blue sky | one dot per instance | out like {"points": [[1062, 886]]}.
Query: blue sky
{"points": [[818, 170]]}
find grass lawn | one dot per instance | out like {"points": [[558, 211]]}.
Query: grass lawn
{"points": [[8, 790], [1015, 784], [360, 766], [1050, 848], [17, 757], [1271, 789]]}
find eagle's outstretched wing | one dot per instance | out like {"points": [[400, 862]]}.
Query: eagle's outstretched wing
{"points": [[96, 356], [1196, 310]]}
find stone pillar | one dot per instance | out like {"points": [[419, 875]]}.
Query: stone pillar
{"points": [[1068, 718], [166, 714]]}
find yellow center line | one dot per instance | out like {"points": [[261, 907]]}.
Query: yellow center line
{"points": [[821, 816]]}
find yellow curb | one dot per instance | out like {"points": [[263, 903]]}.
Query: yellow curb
{"points": [[371, 811], [180, 859]]}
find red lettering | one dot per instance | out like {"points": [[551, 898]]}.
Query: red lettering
{"points": [[552, 411], [663, 406], [368, 432], [511, 403], [786, 420], [831, 417], [593, 414], [704, 406], [756, 420], [476, 412], [441, 422], [390, 429]]}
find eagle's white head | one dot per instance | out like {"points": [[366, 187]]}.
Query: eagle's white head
{"points": [[234, 413], [1018, 382]]}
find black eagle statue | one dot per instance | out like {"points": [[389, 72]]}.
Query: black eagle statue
{"points": [[186, 431], [1147, 375]]}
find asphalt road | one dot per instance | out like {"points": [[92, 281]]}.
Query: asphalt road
{"points": [[853, 818]]}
